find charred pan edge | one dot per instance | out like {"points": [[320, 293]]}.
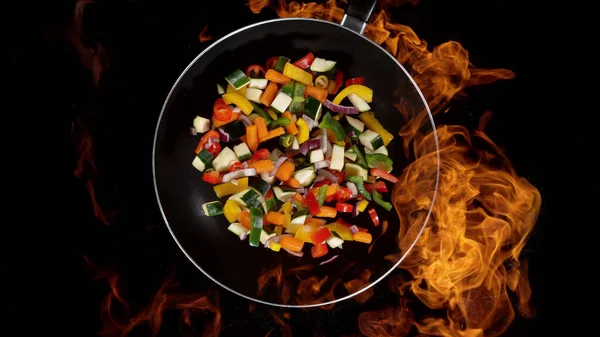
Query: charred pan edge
{"points": [[165, 217]]}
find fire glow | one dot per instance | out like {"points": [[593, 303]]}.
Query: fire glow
{"points": [[465, 264]]}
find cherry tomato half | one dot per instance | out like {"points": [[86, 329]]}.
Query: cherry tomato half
{"points": [[255, 71]]}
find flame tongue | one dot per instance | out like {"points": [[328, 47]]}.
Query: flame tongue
{"points": [[466, 259]]}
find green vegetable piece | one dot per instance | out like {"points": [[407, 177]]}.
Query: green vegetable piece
{"points": [[360, 159], [360, 186], [262, 113], [280, 122], [280, 64], [286, 140], [321, 193], [378, 199], [256, 225], [380, 161], [333, 125]]}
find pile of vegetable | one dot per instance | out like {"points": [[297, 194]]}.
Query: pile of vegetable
{"points": [[286, 161]]}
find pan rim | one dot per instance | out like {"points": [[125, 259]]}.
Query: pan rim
{"points": [[371, 284]]}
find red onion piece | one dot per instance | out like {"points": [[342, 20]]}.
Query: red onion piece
{"points": [[245, 119], [243, 236], [355, 209], [245, 164], [310, 145], [223, 136], [298, 254], [327, 174], [327, 261], [352, 134], [278, 163], [352, 188], [353, 229], [311, 123], [239, 174], [346, 110], [301, 190], [193, 131], [321, 164], [295, 118]]}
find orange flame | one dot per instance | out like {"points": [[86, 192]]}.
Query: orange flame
{"points": [[94, 59], [203, 37], [119, 320], [484, 211]]}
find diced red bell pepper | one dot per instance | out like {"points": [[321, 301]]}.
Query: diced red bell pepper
{"points": [[343, 207], [339, 80], [356, 80], [374, 216], [343, 194], [313, 204], [211, 177], [321, 183], [378, 186], [305, 62], [271, 62], [320, 236], [255, 70], [340, 176], [213, 148], [319, 250], [261, 154], [204, 139], [236, 166], [382, 174]]}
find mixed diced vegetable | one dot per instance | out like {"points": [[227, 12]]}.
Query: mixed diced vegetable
{"points": [[286, 161]]}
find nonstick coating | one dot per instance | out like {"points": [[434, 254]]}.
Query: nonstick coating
{"points": [[179, 186]]}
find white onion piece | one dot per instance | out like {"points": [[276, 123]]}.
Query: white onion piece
{"points": [[278, 163], [243, 236], [327, 175], [309, 122], [295, 118], [321, 164], [235, 108], [352, 188], [329, 151], [275, 239], [327, 261], [239, 174], [324, 140], [193, 131]]}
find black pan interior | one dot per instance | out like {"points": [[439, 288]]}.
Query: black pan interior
{"points": [[181, 191]]}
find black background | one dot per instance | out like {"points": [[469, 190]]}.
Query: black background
{"points": [[148, 44]]}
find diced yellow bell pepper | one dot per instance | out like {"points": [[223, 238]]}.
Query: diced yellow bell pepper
{"points": [[231, 89], [302, 135], [231, 187], [344, 233], [239, 100], [373, 124], [274, 246], [362, 205], [297, 74], [286, 208], [293, 228], [360, 90], [231, 210], [304, 232], [278, 230]]}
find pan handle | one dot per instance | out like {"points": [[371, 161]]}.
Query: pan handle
{"points": [[358, 14]]}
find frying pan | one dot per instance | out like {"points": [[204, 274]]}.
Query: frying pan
{"points": [[180, 191]]}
